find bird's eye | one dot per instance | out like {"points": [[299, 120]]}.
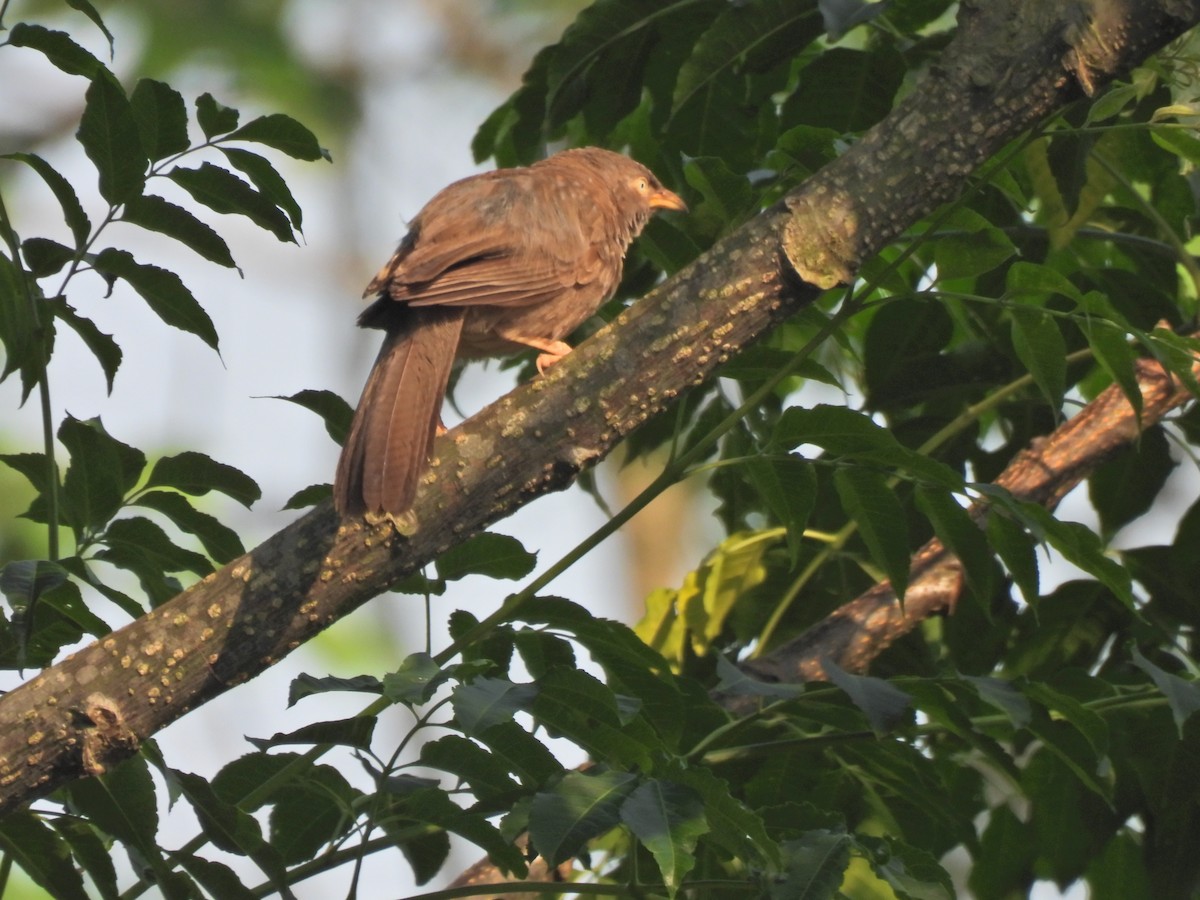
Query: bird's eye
{"points": [[643, 186]]}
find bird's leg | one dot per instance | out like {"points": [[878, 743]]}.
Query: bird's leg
{"points": [[552, 351]]}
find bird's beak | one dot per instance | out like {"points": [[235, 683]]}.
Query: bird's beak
{"points": [[664, 199]]}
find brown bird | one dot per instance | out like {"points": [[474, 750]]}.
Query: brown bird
{"points": [[494, 264]]}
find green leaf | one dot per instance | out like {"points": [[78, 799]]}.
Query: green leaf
{"points": [[282, 133], [163, 291], [732, 824], [304, 685], [102, 471], [415, 681], [491, 555], [583, 805], [161, 118], [846, 90], [90, 854], [1070, 748], [541, 651], [846, 433], [223, 823], [141, 546], [89, 10], [237, 781], [904, 351], [106, 350], [1126, 487], [1004, 863], [214, 118], [575, 705], [28, 339], [1017, 551], [1079, 545], [356, 732], [223, 192], [197, 474], [1070, 709], [1183, 696], [216, 878], [978, 248], [264, 177], [311, 813], [962, 536], [709, 595], [219, 540], [110, 138], [156, 214], [32, 466], [909, 871], [84, 573], [1036, 283], [758, 34], [334, 411], [122, 802], [488, 701], [869, 501], [884, 705], [309, 496], [814, 865], [788, 486], [58, 48], [1040, 347], [521, 753], [668, 819], [1003, 696], [24, 581], [1110, 344], [726, 196], [432, 805], [633, 667], [1119, 873], [68, 605], [486, 775], [63, 191], [42, 854]]}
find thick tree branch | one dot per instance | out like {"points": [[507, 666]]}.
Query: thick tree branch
{"points": [[1012, 63]]}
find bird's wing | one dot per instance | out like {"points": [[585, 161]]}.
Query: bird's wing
{"points": [[501, 239]]}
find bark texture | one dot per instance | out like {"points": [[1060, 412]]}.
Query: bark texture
{"points": [[1012, 63]]}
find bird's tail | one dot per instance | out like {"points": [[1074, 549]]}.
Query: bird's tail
{"points": [[391, 436]]}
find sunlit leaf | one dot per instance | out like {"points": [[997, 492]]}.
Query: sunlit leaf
{"points": [[668, 819]]}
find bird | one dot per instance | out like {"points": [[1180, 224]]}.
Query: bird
{"points": [[494, 264]]}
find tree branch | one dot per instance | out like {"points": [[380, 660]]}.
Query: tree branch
{"points": [[857, 632], [1010, 65]]}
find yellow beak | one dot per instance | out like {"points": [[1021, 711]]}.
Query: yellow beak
{"points": [[664, 199]]}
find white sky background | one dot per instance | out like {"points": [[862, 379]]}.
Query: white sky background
{"points": [[289, 325]]}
